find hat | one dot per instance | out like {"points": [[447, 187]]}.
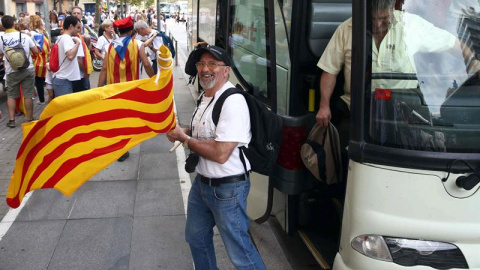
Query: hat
{"points": [[124, 25], [195, 56]]}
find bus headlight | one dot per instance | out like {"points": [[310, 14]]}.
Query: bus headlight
{"points": [[372, 246], [438, 255], [410, 252]]}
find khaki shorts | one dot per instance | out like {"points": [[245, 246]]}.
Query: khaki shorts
{"points": [[24, 78]]}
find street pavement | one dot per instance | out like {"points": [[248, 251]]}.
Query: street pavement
{"points": [[131, 215]]}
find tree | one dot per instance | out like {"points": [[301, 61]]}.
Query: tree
{"points": [[98, 4]]}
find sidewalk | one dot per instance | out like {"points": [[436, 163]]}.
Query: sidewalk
{"points": [[129, 216]]}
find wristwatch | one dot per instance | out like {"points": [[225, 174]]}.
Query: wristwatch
{"points": [[185, 143]]}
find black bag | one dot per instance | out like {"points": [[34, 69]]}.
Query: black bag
{"points": [[168, 42], [16, 56], [266, 129], [321, 154]]}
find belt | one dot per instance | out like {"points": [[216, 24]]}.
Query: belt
{"points": [[215, 182]]}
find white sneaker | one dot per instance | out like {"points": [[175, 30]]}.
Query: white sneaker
{"points": [[39, 102]]}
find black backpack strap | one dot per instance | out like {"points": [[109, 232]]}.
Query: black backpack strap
{"points": [[217, 108], [3, 41]]}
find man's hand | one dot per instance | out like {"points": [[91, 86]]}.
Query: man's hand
{"points": [[177, 134], [323, 116], [76, 40]]}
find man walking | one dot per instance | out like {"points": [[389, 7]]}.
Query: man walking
{"points": [[68, 45], [122, 61], [16, 77], [219, 191]]}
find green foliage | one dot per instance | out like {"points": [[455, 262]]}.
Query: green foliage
{"points": [[137, 3], [149, 3]]}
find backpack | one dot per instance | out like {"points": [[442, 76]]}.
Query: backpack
{"points": [[168, 42], [16, 56], [321, 154], [53, 60], [266, 127]]}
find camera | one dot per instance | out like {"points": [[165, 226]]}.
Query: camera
{"points": [[191, 162]]}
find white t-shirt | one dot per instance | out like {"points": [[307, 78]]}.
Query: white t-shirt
{"points": [[162, 26], [69, 70], [102, 44], [12, 39], [157, 43], [233, 126]]}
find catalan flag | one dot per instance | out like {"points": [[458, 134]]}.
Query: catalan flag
{"points": [[40, 60], [80, 134], [87, 59]]}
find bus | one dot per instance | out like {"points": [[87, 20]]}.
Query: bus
{"points": [[167, 9], [410, 192]]}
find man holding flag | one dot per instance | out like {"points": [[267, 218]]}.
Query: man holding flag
{"points": [[122, 61]]}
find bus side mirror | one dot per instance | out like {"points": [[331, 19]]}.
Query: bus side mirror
{"points": [[468, 182]]}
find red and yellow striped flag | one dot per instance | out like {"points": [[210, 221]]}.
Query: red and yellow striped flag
{"points": [[40, 60], [80, 134]]}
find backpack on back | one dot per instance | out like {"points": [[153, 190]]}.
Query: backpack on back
{"points": [[168, 42], [54, 60], [266, 127], [16, 56]]}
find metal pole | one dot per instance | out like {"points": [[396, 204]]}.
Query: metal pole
{"points": [[176, 50], [158, 17], [46, 18], [108, 9]]}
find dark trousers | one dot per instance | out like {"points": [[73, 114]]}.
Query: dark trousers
{"points": [[154, 66], [39, 82], [341, 121], [81, 85]]}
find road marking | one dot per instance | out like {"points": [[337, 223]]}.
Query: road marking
{"points": [[11, 215]]}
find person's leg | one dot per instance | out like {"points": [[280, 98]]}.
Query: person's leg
{"points": [[39, 82], [199, 229], [228, 203], [86, 83], [11, 104], [13, 92], [61, 87], [154, 66], [28, 87]]}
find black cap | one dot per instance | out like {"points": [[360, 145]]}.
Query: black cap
{"points": [[195, 56]]}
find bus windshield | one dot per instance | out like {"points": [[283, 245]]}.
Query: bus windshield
{"points": [[425, 84]]}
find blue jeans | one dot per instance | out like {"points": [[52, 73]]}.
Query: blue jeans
{"points": [[61, 87], [226, 207]]}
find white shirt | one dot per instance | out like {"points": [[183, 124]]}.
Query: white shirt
{"points": [[102, 44], [89, 20], [233, 126], [69, 70], [162, 26], [157, 43], [12, 39]]}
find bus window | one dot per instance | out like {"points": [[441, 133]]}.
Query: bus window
{"points": [[206, 21], [282, 29], [426, 91], [248, 43]]}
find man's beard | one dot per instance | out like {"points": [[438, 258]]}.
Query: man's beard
{"points": [[209, 84]]}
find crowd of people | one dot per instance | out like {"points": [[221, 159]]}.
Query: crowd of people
{"points": [[69, 30]]}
